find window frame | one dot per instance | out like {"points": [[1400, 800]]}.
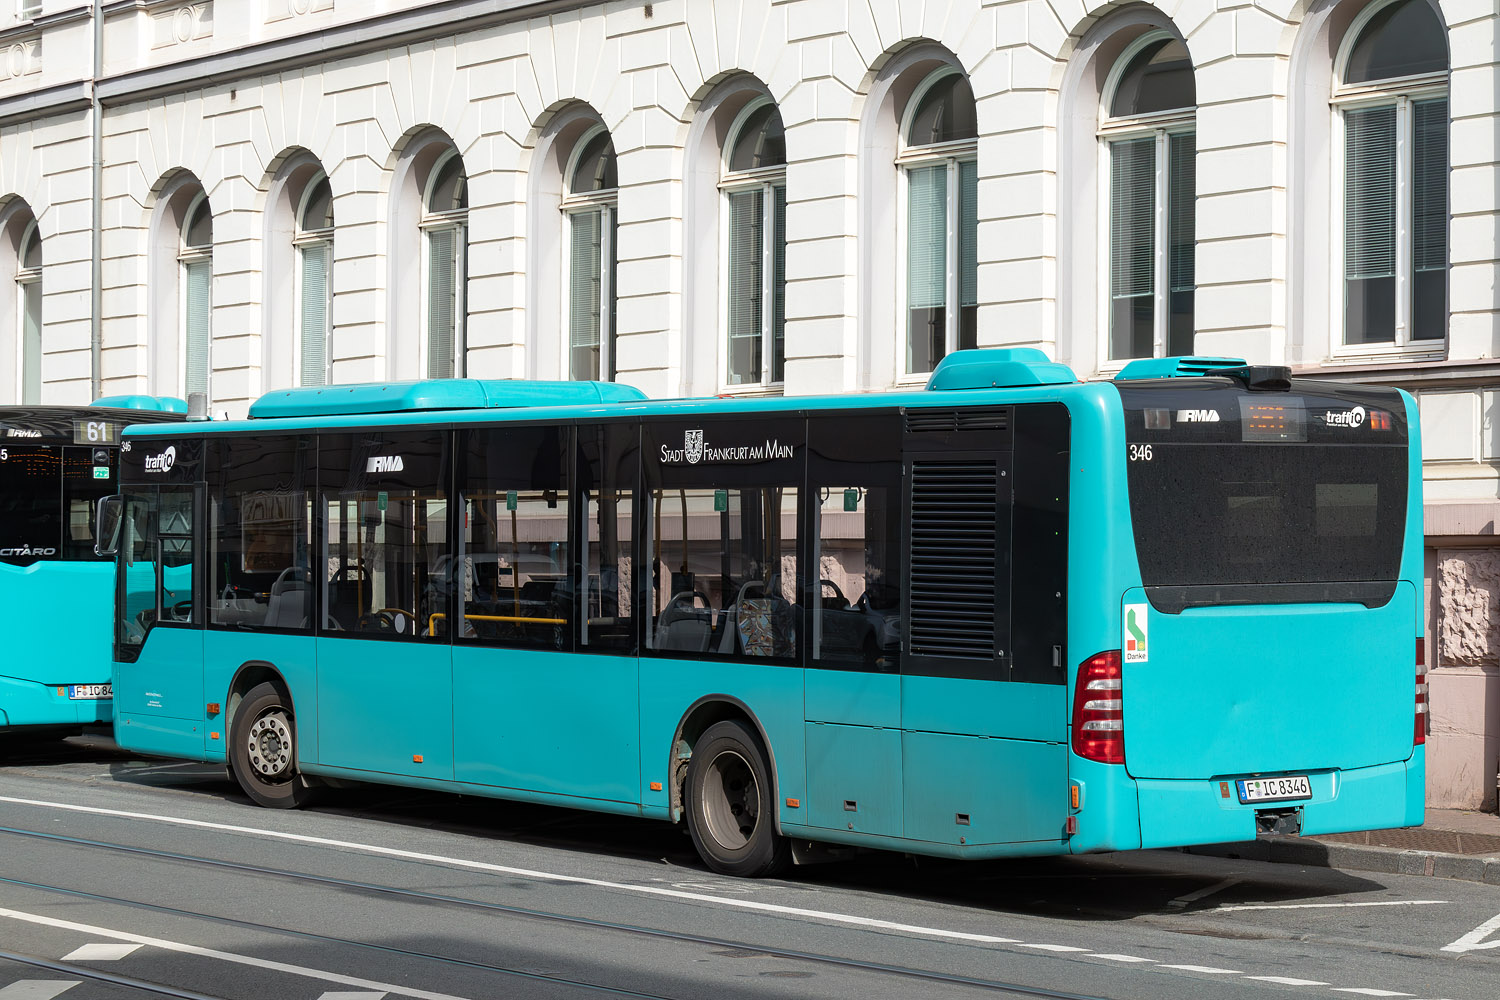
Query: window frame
{"points": [[1161, 127], [188, 256], [1402, 93], [455, 221], [573, 204], [303, 240], [766, 180], [951, 155], [28, 284]]}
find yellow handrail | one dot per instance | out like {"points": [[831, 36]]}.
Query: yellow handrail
{"points": [[432, 620]]}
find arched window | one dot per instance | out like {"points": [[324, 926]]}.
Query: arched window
{"points": [[314, 242], [754, 186], [29, 296], [939, 161], [589, 205], [1147, 133], [195, 260], [1391, 101], [445, 223]]}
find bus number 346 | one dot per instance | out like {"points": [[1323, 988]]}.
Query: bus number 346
{"points": [[1140, 453]]}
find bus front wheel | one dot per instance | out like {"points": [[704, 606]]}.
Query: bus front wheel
{"points": [[731, 814], [263, 750]]}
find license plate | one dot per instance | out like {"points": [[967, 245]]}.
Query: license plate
{"points": [[1292, 786], [90, 692]]}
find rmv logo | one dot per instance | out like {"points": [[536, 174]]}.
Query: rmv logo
{"points": [[162, 462], [1197, 416], [384, 463], [21, 432]]}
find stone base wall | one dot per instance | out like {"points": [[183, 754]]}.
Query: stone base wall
{"points": [[1463, 655]]}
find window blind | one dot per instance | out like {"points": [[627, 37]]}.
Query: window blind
{"points": [[1132, 212], [1182, 192], [1429, 224], [926, 236], [442, 292], [313, 362], [585, 251], [968, 234], [1370, 192], [778, 284], [31, 341], [197, 323], [746, 232]]}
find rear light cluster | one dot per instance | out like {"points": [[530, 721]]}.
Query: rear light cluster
{"points": [[1419, 732], [1098, 710]]}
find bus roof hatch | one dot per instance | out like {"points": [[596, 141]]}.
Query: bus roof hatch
{"points": [[435, 394], [998, 368]]}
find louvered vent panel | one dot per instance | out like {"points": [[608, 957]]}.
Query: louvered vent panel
{"points": [[919, 421], [953, 559]]}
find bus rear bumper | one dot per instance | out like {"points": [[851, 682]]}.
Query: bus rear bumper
{"points": [[27, 703], [1180, 813]]}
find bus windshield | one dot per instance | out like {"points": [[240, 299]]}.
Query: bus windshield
{"points": [[46, 502], [1266, 497]]}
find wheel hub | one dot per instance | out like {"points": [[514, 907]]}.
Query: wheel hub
{"points": [[270, 745], [731, 800]]}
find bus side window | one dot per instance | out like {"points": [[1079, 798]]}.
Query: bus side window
{"points": [[724, 518], [512, 579], [607, 460], [259, 533], [386, 533]]}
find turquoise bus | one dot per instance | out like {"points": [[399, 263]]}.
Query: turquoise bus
{"points": [[56, 462], [1010, 614]]}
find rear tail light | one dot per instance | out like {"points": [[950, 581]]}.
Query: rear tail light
{"points": [[1419, 730], [1098, 710]]}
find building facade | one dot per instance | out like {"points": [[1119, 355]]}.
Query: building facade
{"points": [[748, 196]]}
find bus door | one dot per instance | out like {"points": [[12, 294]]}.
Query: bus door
{"points": [[983, 698], [158, 682], [544, 669], [852, 704], [385, 673]]}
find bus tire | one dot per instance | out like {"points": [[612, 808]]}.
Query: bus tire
{"points": [[263, 750], [731, 809]]}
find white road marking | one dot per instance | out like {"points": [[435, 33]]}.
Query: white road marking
{"points": [[223, 956], [1328, 906], [37, 989], [1475, 939], [650, 890], [100, 952], [1287, 981], [351, 996], [1123, 958], [1193, 897], [1368, 992], [1051, 947], [1206, 969]]}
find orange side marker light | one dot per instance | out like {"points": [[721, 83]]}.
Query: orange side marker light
{"points": [[1223, 789], [794, 803], [213, 736], [213, 708], [656, 786], [416, 758]]}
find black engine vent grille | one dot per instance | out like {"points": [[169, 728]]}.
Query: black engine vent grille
{"points": [[953, 558], [923, 420]]}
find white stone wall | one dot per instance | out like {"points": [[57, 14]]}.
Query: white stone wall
{"points": [[492, 89], [1464, 678]]}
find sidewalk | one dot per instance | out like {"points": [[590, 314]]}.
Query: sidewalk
{"points": [[1452, 843]]}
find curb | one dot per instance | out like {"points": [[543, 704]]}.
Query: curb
{"points": [[1359, 857]]}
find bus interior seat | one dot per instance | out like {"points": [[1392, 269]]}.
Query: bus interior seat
{"points": [[685, 626], [289, 601]]}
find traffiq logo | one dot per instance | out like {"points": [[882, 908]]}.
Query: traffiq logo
{"points": [[1349, 418], [162, 462]]}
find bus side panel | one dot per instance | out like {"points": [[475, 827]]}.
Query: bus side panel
{"points": [[68, 641], [292, 656], [159, 698], [985, 760], [772, 694], [563, 723], [386, 706]]}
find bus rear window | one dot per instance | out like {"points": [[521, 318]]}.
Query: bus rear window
{"points": [[30, 504], [1239, 498]]}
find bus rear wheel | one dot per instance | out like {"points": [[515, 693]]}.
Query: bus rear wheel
{"points": [[731, 813], [263, 750]]}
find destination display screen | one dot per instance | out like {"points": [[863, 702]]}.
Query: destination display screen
{"points": [[96, 431], [1284, 419]]}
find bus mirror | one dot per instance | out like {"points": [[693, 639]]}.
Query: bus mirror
{"points": [[107, 525]]}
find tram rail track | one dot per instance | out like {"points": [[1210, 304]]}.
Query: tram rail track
{"points": [[110, 978], [793, 955]]}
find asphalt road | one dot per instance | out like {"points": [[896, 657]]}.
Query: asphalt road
{"points": [[122, 877]]}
